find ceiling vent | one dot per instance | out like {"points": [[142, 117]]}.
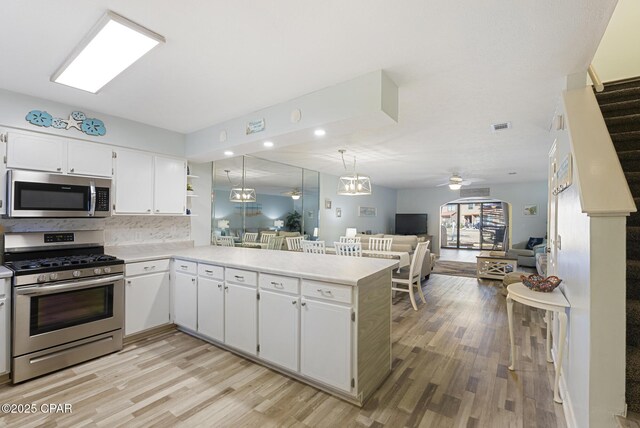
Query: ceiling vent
{"points": [[500, 126]]}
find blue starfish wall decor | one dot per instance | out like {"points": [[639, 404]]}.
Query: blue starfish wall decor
{"points": [[77, 119]]}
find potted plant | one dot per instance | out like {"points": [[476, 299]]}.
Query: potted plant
{"points": [[292, 221]]}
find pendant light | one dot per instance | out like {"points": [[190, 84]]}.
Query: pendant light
{"points": [[240, 194], [353, 184]]}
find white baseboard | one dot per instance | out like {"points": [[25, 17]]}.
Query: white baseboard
{"points": [[567, 405]]}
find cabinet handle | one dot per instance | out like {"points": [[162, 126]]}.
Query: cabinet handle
{"points": [[193, 280], [210, 272], [58, 169], [129, 282], [323, 292], [157, 211], [184, 266], [239, 277], [294, 302], [277, 284], [219, 285], [303, 304], [1, 304], [149, 210], [149, 267], [226, 288], [72, 170]]}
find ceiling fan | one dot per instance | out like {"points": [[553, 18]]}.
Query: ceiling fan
{"points": [[295, 193], [456, 181]]}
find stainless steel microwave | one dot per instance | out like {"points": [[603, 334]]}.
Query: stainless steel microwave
{"points": [[39, 194]]}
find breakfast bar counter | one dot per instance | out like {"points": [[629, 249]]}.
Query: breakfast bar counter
{"points": [[322, 319]]}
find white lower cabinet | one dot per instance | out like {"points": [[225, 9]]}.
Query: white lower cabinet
{"points": [[185, 300], [279, 320], [241, 318], [325, 345], [211, 308], [146, 302], [5, 324]]}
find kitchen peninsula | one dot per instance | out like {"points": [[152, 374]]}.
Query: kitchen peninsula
{"points": [[322, 319]]}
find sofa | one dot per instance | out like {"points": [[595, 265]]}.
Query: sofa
{"points": [[525, 256], [403, 243]]}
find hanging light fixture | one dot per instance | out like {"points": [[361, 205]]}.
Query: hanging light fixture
{"points": [[240, 194], [455, 182], [353, 184]]}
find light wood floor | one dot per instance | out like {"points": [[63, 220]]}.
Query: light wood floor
{"points": [[449, 370]]}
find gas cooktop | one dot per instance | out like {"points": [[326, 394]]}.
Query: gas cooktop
{"points": [[59, 263]]}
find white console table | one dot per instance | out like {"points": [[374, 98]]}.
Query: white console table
{"points": [[551, 302]]}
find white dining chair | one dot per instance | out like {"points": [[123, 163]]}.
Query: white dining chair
{"points": [[380, 244], [250, 237], [275, 243], [226, 241], [265, 236], [410, 278], [313, 247], [350, 239], [351, 249], [294, 243]]}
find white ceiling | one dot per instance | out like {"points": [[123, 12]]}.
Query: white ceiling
{"points": [[460, 66]]}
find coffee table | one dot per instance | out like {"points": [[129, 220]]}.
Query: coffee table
{"points": [[494, 264]]}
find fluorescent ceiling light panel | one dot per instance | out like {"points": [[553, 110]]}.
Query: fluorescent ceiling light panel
{"points": [[110, 48]]}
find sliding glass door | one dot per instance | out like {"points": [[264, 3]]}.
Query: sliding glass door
{"points": [[473, 225]]}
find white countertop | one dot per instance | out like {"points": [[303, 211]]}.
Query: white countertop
{"points": [[5, 272], [321, 267], [145, 252]]}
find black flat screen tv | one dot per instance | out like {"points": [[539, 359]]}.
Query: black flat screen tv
{"points": [[411, 224]]}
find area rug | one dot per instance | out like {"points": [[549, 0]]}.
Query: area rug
{"points": [[447, 267]]}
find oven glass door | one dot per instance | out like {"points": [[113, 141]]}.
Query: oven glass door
{"points": [[51, 312], [30, 196]]}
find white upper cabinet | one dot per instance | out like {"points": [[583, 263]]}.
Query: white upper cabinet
{"points": [[133, 182], [31, 151], [170, 186], [89, 159]]}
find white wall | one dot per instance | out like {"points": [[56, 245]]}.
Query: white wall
{"points": [[617, 56], [120, 132], [331, 227], [201, 206], [518, 194]]}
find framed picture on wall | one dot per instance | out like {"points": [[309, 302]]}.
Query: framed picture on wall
{"points": [[530, 210], [338, 212], [367, 212]]}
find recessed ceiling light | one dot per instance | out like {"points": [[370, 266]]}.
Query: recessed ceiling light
{"points": [[268, 143], [111, 46], [228, 153], [319, 132]]}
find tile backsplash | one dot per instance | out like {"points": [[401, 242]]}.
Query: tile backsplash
{"points": [[118, 230]]}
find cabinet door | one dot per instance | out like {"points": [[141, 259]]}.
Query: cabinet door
{"points": [[325, 350], [5, 325], [278, 329], [185, 301], [36, 153], [170, 188], [89, 159], [146, 302], [133, 182], [240, 318], [211, 308]]}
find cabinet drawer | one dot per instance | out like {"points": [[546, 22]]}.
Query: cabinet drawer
{"points": [[151, 266], [239, 276], [210, 271], [323, 290], [186, 267], [279, 283]]}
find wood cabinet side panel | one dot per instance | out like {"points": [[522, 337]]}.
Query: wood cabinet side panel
{"points": [[373, 333]]}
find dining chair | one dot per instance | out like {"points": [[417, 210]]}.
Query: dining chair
{"points": [[350, 239], [265, 236], [380, 244], [226, 241], [250, 237], [410, 278], [313, 247], [275, 243], [352, 249], [294, 243]]}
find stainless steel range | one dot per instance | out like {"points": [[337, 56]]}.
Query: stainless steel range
{"points": [[68, 300]]}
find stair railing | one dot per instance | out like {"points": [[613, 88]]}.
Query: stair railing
{"points": [[595, 79]]}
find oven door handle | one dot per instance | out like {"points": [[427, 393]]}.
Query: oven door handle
{"points": [[65, 286], [92, 206]]}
